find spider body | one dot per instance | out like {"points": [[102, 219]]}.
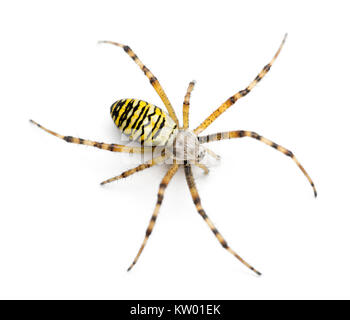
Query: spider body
{"points": [[186, 148], [143, 122], [151, 126], [154, 128]]}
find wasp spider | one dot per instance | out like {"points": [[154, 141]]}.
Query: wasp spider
{"points": [[154, 128]]}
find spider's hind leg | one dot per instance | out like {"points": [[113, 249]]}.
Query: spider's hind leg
{"points": [[164, 183], [141, 167], [152, 79], [186, 105], [101, 145]]}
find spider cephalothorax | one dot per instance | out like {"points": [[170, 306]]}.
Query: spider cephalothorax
{"points": [[154, 128], [186, 148]]}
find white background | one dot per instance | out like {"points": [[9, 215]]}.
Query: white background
{"points": [[62, 235]]}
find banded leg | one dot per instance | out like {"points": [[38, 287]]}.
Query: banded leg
{"points": [[101, 145], [153, 80], [164, 183], [186, 105], [251, 134], [141, 167], [230, 101], [197, 202]]}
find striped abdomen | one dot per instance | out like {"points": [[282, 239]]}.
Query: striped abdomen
{"points": [[143, 122]]}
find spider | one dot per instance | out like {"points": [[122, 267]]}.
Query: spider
{"points": [[154, 128]]}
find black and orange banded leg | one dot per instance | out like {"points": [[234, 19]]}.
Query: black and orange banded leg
{"points": [[153, 80], [254, 135], [101, 145], [164, 183], [230, 101], [186, 105], [141, 167], [197, 202]]}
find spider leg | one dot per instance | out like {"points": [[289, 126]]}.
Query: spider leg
{"points": [[164, 183], [141, 167], [153, 80], [203, 167], [186, 105], [230, 101], [101, 145], [197, 202], [251, 134]]}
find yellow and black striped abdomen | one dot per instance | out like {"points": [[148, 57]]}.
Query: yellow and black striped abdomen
{"points": [[143, 122]]}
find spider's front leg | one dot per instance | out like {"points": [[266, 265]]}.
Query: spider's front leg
{"points": [[243, 133], [240, 94], [197, 201]]}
